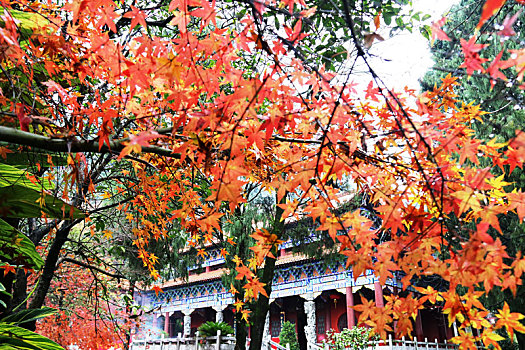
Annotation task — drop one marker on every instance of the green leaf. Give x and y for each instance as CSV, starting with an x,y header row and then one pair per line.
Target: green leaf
x,y
22,198
13,337
425,31
28,315
23,157
387,17
3,291
15,246
27,20
11,176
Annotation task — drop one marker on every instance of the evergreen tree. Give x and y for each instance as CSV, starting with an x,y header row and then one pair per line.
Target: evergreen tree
x,y
288,336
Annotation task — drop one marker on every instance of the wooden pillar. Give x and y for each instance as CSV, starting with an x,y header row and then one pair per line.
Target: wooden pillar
x,y
350,313
167,324
419,326
378,294
328,318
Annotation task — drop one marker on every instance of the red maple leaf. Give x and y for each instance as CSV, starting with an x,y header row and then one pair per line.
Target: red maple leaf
x,y
489,8
107,17
507,24
295,34
494,69
137,17
437,32
8,268
206,12
472,59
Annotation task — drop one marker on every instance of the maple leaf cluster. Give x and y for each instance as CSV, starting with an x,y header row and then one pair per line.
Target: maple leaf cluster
x,y
473,62
90,311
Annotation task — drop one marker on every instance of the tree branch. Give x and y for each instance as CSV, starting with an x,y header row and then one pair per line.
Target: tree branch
x,y
91,267
24,138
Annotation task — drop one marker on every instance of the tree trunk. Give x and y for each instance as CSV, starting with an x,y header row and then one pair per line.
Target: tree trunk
x,y
20,290
262,305
241,333
49,268
521,340
301,324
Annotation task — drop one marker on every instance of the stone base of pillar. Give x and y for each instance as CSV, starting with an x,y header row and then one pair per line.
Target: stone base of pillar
x,y
309,330
187,323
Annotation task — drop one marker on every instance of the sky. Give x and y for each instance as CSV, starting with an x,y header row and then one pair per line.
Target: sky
x,y
401,60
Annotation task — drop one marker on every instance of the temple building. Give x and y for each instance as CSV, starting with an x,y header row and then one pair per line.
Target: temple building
x,y
315,296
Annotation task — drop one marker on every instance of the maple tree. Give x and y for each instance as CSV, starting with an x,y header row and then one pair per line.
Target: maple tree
x,y
502,99
157,100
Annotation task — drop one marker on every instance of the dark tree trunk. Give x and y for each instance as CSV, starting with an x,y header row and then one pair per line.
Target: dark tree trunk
x,y
301,324
262,305
20,290
241,333
49,267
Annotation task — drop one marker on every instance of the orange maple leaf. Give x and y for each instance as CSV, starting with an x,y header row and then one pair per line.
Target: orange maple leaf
x,y
510,320
243,271
8,268
255,287
157,290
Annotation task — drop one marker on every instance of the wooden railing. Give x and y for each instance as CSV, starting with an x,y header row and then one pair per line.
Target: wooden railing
x,y
397,344
217,342
404,344
220,342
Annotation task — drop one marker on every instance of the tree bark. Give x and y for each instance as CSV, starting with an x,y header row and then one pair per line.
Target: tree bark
x,y
301,324
49,267
20,290
262,305
241,333
23,138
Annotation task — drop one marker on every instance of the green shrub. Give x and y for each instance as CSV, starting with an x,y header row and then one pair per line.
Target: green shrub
x,y
209,329
355,338
288,336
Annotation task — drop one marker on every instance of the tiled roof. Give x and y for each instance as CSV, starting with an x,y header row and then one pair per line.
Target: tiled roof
x,y
216,274
290,258
205,276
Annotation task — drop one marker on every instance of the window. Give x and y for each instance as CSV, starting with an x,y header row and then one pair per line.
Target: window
x,y
321,324
275,328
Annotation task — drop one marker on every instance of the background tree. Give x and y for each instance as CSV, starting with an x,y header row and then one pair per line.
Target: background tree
x,y
288,335
503,101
